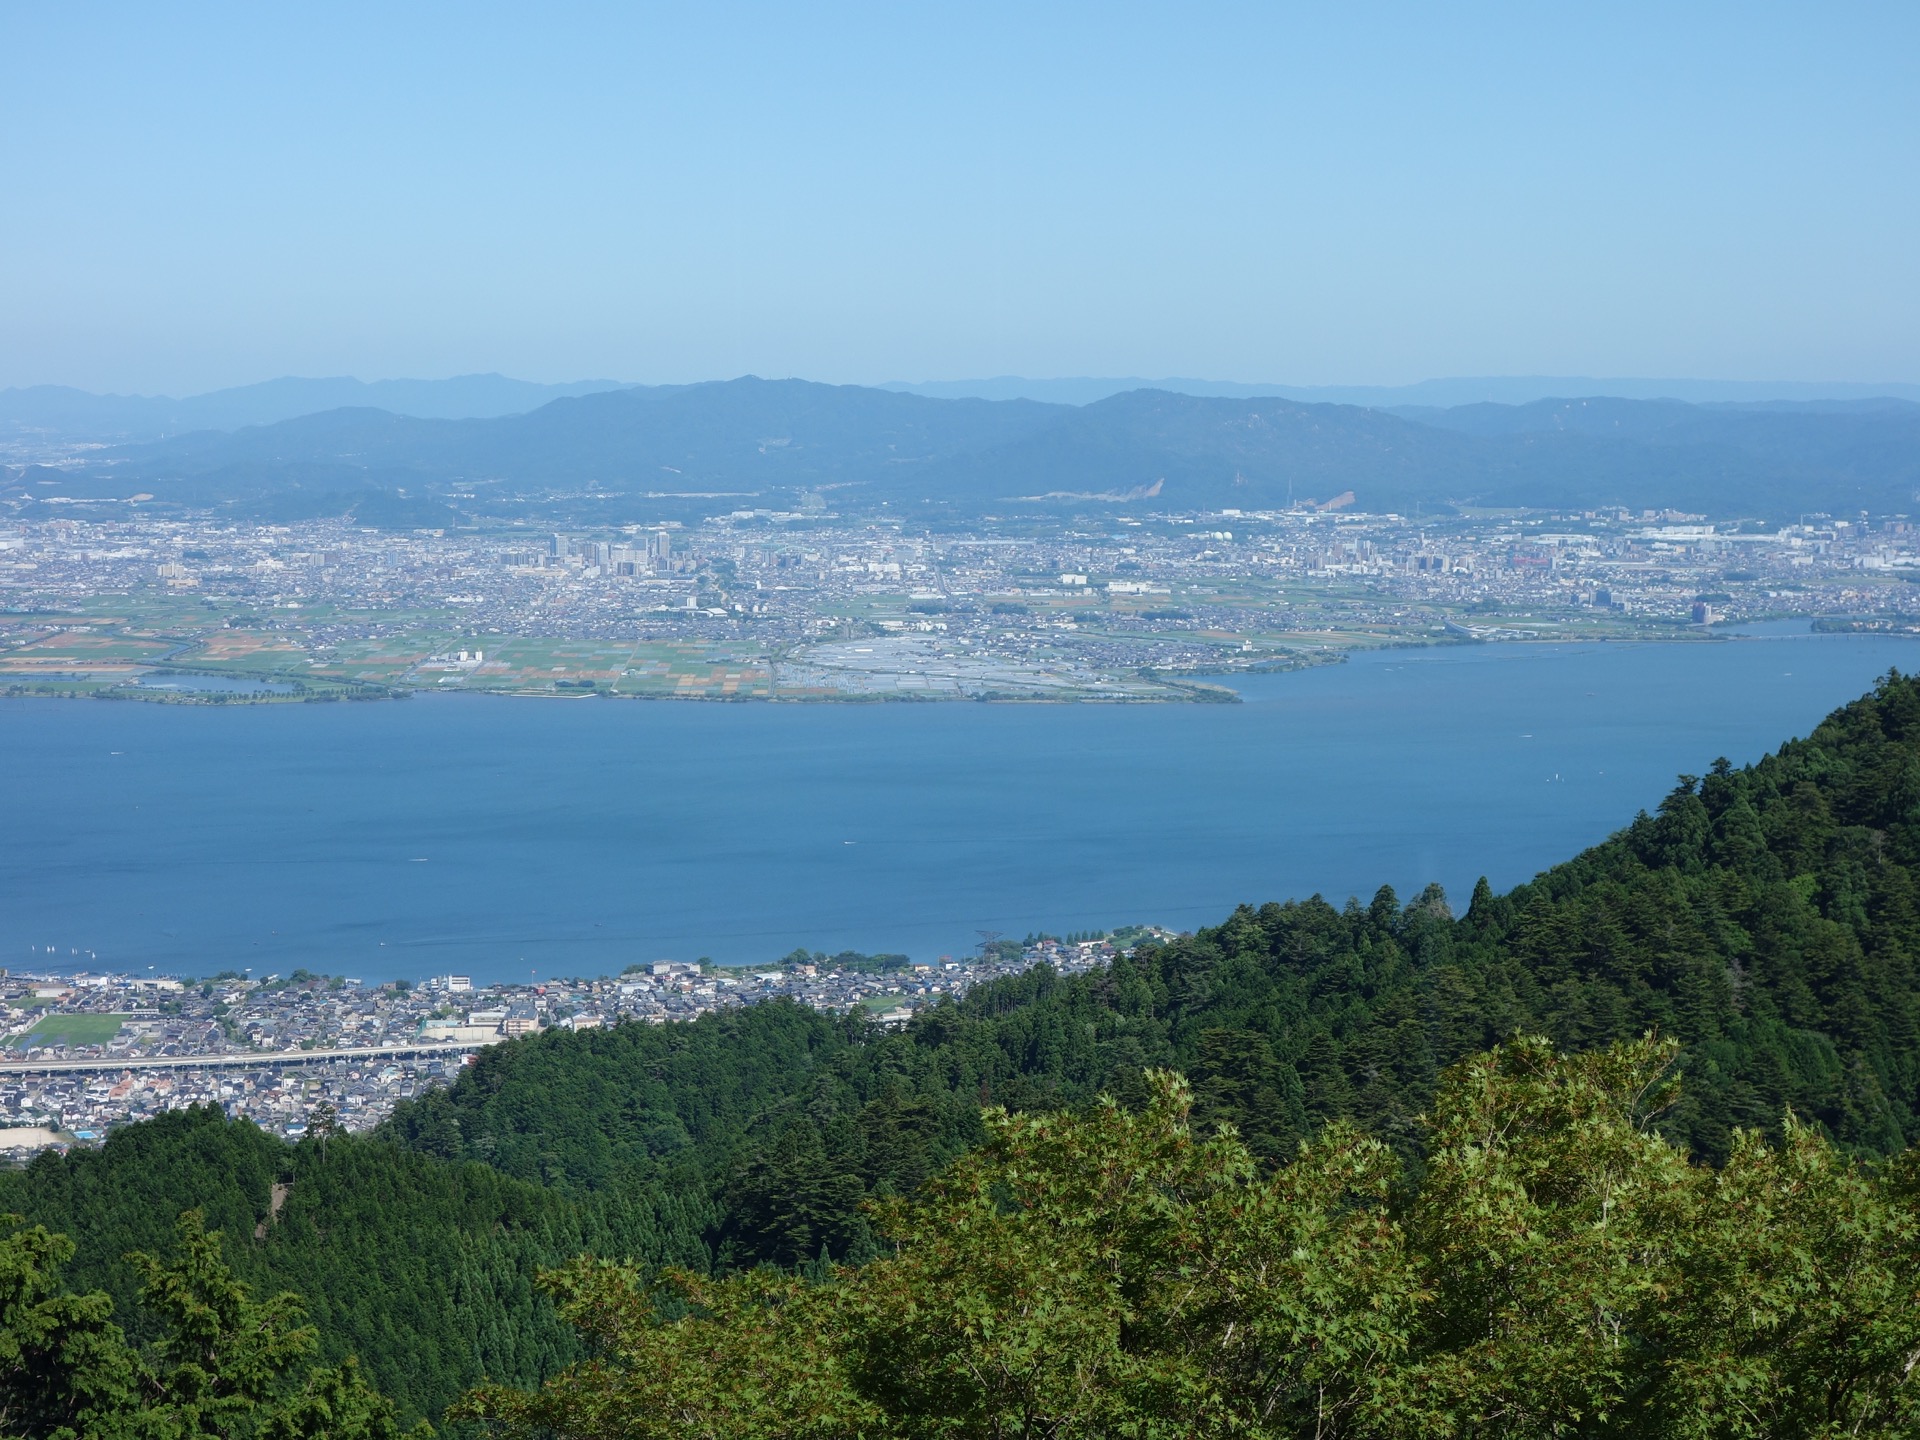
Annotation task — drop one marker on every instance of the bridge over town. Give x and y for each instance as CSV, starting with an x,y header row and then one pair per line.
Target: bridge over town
x,y
242,1059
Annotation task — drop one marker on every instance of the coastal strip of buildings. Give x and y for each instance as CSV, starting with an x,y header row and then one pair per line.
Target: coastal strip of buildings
x,y
86,1052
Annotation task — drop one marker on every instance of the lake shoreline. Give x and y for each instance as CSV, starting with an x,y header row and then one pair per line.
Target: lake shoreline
x,y
1194,687
581,838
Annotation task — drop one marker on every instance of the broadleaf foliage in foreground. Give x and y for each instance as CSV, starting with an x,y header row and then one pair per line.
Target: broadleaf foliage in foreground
x,y
1554,1268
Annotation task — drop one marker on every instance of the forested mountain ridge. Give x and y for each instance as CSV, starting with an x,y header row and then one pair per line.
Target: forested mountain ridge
x,y
738,436
723,441
1766,919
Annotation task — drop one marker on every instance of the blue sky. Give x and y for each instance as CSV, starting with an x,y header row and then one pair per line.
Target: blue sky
x,y
202,195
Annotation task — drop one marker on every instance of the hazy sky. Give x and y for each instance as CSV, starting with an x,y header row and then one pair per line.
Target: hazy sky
x,y
198,195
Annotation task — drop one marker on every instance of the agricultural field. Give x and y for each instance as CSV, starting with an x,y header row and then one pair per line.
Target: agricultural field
x,y
246,652
568,667
71,649
168,652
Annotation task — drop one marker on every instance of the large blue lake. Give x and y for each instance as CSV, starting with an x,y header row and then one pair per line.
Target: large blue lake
x,y
501,837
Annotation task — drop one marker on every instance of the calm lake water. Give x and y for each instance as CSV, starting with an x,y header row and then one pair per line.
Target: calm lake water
x,y
499,837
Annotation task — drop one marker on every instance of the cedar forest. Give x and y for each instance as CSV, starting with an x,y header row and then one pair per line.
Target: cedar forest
x,y
1624,1151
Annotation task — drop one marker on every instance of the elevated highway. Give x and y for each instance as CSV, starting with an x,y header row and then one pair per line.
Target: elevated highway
x,y
243,1059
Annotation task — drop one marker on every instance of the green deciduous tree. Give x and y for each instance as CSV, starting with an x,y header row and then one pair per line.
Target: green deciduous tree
x,y
1554,1267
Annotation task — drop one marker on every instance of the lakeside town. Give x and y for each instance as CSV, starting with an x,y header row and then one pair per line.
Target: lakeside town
x,y
88,1052
809,605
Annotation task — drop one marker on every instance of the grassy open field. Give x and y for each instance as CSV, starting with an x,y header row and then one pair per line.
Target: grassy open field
x,y
536,665
72,1030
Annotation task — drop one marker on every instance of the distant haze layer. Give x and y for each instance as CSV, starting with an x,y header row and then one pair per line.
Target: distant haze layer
x,y
62,412
1458,390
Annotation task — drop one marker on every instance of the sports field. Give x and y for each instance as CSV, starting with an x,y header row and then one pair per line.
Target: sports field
x,y
72,1030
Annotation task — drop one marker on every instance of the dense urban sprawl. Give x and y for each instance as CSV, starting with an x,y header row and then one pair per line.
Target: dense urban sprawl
x,y
802,605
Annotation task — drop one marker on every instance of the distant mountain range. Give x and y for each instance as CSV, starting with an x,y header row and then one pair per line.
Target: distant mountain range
x,y
734,438
59,412
1465,390
761,442
1210,452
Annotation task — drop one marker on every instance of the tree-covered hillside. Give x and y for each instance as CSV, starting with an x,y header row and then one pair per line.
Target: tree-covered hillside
x,y
1549,1266
425,1270
1552,1268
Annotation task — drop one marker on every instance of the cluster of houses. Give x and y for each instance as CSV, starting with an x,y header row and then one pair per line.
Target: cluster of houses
x,y
86,1052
